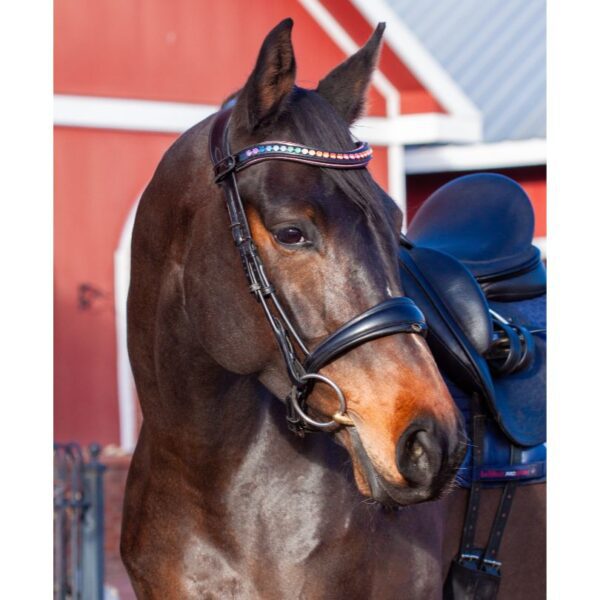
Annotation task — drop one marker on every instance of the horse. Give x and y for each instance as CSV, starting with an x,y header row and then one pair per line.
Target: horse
x,y
222,499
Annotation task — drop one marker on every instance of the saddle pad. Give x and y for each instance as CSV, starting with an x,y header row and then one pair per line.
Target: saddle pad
x,y
521,396
496,468
456,315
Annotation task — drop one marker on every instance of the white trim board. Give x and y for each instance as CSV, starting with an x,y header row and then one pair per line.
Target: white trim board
x,y
126,113
427,128
521,153
541,243
125,381
176,117
412,129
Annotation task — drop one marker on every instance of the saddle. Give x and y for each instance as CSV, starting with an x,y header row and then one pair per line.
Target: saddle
x,y
468,262
472,269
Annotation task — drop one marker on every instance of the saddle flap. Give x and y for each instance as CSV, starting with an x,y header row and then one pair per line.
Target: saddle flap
x,y
453,285
459,325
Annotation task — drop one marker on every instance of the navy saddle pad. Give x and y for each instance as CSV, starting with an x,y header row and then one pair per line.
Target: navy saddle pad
x,y
499,464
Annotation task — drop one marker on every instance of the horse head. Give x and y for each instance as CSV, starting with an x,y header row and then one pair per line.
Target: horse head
x,y
328,240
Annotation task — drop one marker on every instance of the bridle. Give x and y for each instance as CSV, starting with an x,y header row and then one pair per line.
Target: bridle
x,y
395,315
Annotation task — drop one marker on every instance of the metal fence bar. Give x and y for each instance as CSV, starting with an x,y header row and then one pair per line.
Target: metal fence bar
x,y
78,523
60,567
93,529
75,504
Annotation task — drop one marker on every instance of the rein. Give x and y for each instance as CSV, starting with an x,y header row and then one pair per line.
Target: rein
x,y
395,315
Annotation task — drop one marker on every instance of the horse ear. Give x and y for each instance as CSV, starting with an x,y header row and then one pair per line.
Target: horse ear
x,y
346,86
271,81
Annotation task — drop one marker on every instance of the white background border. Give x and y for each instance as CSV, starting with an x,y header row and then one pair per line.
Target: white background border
x,y
574,294
26,300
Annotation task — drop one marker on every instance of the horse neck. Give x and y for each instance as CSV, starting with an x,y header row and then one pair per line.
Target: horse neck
x,y
197,407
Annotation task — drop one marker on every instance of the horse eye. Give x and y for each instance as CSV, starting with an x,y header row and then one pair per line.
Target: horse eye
x,y
289,235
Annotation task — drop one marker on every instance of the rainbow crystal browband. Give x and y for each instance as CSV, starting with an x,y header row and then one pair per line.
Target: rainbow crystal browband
x,y
352,159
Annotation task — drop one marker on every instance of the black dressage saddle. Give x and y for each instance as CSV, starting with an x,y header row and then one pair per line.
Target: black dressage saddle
x,y
486,222
468,262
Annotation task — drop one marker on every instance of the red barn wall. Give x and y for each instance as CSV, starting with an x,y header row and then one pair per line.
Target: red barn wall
x,y
183,50
98,176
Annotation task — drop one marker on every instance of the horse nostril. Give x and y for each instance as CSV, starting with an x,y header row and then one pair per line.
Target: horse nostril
x,y
419,455
415,448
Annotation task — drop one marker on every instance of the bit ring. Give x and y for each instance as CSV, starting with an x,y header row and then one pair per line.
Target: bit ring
x,y
339,418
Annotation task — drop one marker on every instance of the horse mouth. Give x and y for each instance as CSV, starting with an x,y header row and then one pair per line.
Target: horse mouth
x,y
389,495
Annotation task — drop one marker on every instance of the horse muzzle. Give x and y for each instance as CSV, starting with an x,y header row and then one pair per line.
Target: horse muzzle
x,y
427,459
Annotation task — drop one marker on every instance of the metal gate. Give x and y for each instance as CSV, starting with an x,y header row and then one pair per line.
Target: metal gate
x,y
78,523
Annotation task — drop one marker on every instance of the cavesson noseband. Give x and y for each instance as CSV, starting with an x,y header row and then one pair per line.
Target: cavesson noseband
x,y
395,315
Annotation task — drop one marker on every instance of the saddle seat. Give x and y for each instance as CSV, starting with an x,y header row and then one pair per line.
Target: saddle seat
x,y
485,221
456,292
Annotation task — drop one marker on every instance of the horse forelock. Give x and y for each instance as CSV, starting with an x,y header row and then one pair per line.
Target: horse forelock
x,y
311,120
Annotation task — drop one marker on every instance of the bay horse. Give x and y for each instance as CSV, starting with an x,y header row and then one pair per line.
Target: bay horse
x,y
222,500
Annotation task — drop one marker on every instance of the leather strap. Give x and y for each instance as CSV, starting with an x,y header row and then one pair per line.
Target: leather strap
x,y
512,350
486,560
356,158
470,525
490,560
258,282
396,315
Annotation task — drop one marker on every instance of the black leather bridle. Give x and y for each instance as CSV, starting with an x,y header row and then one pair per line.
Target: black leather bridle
x,y
395,315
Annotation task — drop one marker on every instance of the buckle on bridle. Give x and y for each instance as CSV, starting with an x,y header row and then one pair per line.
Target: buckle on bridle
x,y
294,421
224,167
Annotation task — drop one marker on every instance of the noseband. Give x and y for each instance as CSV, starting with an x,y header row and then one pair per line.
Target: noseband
x,y
395,315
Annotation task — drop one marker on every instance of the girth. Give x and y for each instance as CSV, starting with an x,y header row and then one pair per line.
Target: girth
x,y
394,315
